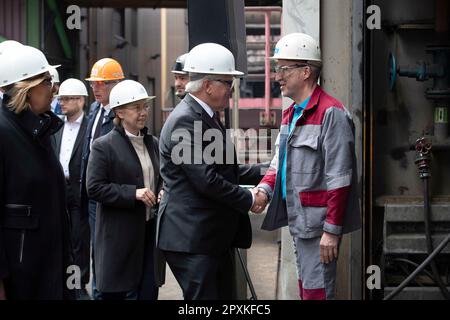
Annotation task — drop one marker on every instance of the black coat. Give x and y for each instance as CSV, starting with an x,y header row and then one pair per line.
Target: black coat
x,y
203,209
73,188
107,126
113,175
34,230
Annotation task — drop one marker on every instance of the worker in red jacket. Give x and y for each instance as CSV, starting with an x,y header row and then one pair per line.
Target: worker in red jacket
x,y
312,180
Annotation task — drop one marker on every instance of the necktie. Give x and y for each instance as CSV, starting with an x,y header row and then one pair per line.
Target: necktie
x,y
216,119
98,128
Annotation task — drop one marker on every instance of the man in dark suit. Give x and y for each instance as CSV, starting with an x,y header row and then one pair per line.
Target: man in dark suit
x,y
203,213
68,143
105,74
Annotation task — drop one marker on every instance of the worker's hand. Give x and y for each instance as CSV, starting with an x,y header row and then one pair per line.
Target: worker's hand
x,y
261,200
328,247
160,194
147,196
2,291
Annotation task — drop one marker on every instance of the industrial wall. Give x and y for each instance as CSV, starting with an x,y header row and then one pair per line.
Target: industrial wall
x,y
145,41
411,47
12,20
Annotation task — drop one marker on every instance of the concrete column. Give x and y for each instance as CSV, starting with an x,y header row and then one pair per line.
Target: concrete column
x,y
342,77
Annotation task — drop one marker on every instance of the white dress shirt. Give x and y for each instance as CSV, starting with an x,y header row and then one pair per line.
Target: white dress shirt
x,y
97,117
69,136
207,108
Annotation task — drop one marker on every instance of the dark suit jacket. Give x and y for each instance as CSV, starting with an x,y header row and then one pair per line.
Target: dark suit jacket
x,y
113,175
203,209
107,126
73,189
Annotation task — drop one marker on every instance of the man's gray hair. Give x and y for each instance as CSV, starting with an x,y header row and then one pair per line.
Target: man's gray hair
x,y
194,86
316,69
196,81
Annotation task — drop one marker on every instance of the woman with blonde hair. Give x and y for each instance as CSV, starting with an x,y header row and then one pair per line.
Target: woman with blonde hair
x,y
123,177
34,227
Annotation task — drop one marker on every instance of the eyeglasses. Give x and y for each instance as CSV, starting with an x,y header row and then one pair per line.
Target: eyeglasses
x,y
101,83
45,78
65,99
139,108
229,83
283,69
47,82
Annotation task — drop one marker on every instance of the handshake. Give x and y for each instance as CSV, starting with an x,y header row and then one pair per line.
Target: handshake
x,y
261,200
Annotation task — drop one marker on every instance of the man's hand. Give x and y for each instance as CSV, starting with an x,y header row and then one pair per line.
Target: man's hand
x,y
147,196
328,247
261,200
2,291
160,194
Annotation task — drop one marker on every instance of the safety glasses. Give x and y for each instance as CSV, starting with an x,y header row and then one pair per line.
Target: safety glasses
x,y
66,99
283,69
139,108
101,83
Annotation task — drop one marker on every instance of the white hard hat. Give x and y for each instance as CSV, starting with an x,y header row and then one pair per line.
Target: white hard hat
x,y
72,87
8,50
211,58
55,75
297,46
7,44
22,63
127,91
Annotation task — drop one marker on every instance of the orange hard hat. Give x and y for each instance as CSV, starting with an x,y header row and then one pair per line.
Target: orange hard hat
x,y
106,69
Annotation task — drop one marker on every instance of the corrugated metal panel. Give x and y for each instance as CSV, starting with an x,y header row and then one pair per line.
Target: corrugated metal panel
x,y
13,19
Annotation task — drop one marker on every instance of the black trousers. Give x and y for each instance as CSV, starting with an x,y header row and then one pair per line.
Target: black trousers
x,y
80,234
80,243
203,277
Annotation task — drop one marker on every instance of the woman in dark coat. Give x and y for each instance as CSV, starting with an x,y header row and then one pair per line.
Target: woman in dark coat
x,y
123,177
34,226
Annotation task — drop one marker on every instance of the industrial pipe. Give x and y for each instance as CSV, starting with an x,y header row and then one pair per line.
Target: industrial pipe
x,y
423,148
267,69
267,11
419,269
415,265
423,162
433,265
247,276
60,29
